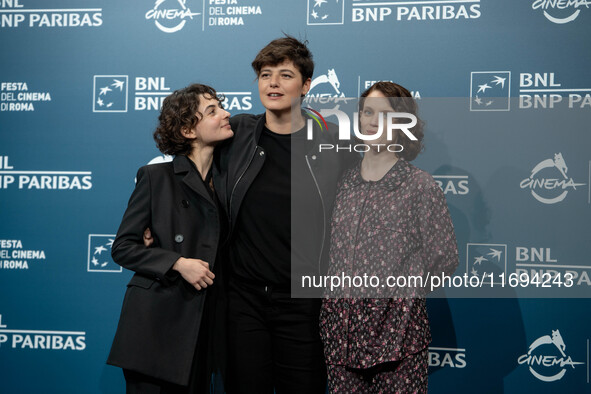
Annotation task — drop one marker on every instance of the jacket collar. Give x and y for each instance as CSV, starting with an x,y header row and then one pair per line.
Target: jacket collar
x,y
259,127
183,165
399,173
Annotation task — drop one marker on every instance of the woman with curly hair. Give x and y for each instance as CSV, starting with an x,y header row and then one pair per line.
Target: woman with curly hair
x,y
390,220
162,338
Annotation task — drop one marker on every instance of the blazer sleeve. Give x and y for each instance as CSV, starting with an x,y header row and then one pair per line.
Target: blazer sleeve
x,y
128,248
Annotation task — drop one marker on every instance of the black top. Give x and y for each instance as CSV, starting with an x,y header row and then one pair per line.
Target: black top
x,y
261,251
207,182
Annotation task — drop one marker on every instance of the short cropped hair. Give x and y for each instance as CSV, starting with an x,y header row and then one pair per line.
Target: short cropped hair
x,y
180,112
282,49
400,100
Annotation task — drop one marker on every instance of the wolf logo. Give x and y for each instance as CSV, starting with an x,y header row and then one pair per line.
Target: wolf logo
x,y
330,77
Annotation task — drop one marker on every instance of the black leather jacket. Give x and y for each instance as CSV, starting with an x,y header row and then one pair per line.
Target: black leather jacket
x,y
239,160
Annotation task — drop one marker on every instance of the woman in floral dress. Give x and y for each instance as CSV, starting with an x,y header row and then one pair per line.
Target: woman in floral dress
x,y
390,220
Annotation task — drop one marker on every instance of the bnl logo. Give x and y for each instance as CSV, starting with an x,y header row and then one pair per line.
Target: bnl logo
x,y
490,90
484,259
326,12
99,254
110,93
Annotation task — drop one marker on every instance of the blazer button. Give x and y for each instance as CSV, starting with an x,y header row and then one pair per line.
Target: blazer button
x,y
185,204
262,153
179,238
313,157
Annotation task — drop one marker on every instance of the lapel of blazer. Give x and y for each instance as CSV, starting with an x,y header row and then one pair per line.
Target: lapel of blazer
x,y
220,177
182,165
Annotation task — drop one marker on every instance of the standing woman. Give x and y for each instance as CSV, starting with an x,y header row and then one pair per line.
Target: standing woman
x,y
274,343
390,219
162,337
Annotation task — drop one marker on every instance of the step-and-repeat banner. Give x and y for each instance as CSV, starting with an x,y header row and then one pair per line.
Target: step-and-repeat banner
x,y
509,142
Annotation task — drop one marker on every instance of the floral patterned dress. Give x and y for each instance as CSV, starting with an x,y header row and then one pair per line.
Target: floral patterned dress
x,y
376,337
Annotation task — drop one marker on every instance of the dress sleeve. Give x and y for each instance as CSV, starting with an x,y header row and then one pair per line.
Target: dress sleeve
x,y
439,246
128,248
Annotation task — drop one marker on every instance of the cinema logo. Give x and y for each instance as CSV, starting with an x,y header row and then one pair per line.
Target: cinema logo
x,y
41,339
230,12
14,257
404,10
170,16
326,87
548,182
14,14
344,125
441,357
15,96
560,11
546,358
42,180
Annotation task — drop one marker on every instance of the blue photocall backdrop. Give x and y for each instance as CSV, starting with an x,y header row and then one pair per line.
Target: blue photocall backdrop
x,y
81,83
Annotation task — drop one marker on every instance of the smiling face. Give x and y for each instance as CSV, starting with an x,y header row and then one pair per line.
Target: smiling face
x,y
280,84
375,106
214,122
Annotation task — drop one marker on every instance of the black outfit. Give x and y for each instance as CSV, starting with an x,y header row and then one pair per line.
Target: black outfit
x,y
260,249
164,338
273,338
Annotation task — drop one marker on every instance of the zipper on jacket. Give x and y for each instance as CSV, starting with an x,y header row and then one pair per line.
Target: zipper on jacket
x,y
323,214
237,182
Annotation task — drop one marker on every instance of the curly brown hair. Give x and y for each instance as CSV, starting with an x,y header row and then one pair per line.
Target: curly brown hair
x,y
282,49
401,100
180,112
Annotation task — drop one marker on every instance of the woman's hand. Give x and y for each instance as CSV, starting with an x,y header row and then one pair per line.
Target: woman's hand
x,y
148,240
194,271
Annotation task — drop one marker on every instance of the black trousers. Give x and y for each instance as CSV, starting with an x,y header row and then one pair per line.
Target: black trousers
x,y
137,383
273,342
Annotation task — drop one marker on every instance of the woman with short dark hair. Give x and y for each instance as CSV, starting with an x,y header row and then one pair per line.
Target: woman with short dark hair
x,y
274,343
163,340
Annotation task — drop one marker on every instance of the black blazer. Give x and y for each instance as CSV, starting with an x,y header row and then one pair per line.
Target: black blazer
x,y
162,313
